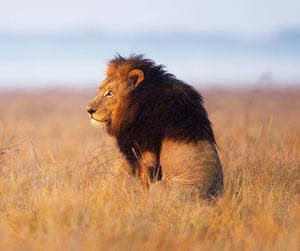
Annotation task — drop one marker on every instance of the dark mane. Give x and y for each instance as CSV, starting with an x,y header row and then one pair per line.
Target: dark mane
x,y
160,107
153,72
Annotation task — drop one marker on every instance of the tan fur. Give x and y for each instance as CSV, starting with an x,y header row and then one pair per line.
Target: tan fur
x,y
149,158
148,162
194,164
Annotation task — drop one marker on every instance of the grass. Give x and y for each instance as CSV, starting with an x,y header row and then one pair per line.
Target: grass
x,y
59,190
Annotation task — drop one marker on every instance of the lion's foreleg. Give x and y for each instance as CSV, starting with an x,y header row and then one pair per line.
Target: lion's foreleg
x,y
145,168
148,167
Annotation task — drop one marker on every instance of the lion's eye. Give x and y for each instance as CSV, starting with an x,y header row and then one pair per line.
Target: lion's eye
x,y
108,94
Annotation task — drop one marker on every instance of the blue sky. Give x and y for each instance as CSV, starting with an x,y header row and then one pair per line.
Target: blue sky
x,y
243,17
247,28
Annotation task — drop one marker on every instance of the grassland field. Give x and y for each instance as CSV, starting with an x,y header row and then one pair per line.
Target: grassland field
x,y
59,189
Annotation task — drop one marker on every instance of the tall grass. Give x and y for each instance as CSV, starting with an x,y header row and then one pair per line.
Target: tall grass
x,y
59,189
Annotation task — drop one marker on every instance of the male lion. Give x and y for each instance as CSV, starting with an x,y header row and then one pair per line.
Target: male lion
x,y
160,125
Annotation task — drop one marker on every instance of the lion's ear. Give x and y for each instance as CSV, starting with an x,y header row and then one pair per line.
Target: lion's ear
x,y
137,76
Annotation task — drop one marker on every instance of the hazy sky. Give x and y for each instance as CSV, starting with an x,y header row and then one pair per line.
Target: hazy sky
x,y
243,17
67,59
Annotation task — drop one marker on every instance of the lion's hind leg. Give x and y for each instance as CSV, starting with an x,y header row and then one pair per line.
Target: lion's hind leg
x,y
191,168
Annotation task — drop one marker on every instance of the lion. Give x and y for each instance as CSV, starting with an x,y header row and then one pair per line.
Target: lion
x,y
160,125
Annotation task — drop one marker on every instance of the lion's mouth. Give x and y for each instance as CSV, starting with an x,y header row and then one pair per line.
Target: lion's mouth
x,y
97,123
92,117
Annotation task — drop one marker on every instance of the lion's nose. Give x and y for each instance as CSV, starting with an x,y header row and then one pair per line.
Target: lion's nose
x,y
91,110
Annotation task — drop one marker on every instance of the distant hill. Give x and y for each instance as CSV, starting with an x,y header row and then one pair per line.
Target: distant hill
x,y
94,45
216,54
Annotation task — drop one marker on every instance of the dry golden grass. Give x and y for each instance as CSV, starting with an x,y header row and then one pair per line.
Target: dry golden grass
x,y
59,191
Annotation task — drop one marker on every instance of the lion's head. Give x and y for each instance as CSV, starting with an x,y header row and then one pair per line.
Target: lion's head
x,y
111,99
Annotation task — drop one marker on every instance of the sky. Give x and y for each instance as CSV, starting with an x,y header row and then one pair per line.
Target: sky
x,y
253,20
246,17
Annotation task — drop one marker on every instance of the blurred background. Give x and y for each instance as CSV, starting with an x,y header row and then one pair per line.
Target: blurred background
x,y
58,186
66,43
